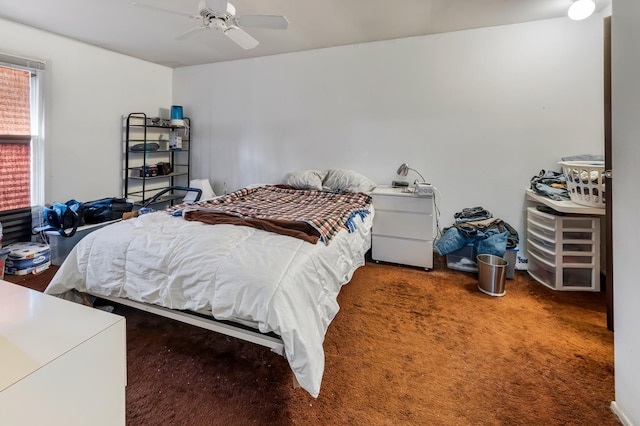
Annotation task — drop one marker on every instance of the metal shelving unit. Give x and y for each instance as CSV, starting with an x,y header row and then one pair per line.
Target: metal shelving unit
x,y
149,143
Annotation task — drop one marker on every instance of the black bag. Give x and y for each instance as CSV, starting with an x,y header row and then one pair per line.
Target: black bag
x,y
106,209
64,218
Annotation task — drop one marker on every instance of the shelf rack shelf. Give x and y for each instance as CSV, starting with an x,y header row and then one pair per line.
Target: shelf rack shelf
x,y
156,163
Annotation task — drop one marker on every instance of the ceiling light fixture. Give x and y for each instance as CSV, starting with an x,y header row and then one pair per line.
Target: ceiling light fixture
x,y
581,9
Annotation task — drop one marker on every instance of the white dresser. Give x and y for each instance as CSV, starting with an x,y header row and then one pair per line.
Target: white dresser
x,y
62,363
402,228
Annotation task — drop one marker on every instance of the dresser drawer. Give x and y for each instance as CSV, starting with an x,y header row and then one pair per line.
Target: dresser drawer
x,y
406,203
403,224
403,251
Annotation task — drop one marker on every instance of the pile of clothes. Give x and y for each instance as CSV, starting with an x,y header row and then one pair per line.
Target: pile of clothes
x,y
476,226
550,184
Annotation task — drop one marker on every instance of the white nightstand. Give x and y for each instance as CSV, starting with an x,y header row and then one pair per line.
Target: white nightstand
x,y
402,227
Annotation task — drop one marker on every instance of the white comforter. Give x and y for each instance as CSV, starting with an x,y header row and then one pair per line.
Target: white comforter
x,y
283,284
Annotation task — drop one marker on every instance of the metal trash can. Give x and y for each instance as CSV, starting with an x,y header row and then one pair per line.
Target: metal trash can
x,y
492,271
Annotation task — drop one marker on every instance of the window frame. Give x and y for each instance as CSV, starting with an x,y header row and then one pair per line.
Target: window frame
x,y
18,223
36,68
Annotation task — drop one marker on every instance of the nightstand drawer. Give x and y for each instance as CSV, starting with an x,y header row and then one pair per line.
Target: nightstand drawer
x,y
406,203
417,226
403,251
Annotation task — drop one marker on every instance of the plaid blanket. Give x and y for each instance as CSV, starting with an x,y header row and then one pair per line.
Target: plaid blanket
x,y
267,207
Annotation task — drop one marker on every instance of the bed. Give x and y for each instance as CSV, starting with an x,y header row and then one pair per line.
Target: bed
x,y
243,280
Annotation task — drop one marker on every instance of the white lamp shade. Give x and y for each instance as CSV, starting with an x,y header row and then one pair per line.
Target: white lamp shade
x,y
581,9
403,169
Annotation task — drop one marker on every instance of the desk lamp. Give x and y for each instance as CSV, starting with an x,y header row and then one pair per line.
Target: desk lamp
x,y
404,168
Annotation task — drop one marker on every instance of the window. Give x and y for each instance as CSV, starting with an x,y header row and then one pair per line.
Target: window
x,y
21,144
15,139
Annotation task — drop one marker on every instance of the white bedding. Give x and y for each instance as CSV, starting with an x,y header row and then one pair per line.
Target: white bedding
x,y
283,284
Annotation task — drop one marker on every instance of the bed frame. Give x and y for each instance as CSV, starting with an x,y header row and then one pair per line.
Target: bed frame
x,y
228,328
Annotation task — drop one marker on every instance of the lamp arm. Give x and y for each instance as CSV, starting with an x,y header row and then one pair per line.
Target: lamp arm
x,y
422,177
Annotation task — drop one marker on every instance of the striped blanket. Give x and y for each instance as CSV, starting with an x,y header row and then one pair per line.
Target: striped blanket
x,y
310,215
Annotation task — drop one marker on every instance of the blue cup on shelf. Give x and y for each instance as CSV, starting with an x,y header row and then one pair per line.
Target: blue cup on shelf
x,y
176,112
176,115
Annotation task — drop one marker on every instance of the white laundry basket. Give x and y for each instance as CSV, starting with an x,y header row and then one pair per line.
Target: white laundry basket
x,y
585,182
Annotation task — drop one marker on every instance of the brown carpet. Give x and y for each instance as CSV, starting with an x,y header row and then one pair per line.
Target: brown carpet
x,y
408,347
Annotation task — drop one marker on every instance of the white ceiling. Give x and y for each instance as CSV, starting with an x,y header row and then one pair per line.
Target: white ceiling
x,y
148,34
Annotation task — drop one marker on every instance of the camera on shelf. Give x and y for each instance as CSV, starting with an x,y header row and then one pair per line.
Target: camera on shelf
x,y
148,171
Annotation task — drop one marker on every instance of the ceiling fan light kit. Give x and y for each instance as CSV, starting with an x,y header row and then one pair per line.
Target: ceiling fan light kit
x,y
581,9
222,16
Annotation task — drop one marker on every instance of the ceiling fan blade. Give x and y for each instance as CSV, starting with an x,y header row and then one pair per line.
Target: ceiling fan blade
x,y
192,32
273,22
243,39
160,9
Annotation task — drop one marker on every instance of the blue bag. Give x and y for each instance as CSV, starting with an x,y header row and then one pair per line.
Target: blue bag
x,y
106,209
64,218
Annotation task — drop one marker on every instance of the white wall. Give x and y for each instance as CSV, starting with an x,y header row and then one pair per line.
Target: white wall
x,y
626,204
87,91
477,112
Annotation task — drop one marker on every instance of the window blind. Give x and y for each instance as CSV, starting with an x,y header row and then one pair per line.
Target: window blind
x,y
15,138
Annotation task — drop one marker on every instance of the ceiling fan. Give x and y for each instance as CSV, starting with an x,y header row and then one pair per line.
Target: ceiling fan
x,y
222,16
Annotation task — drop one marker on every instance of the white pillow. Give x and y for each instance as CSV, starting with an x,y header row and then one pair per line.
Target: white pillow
x,y
347,180
307,179
204,185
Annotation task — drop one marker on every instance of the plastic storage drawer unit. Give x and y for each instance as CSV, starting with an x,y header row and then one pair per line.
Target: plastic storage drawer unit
x,y
564,251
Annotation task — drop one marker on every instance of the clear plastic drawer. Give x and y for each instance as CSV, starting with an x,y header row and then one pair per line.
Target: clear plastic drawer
x,y
577,222
539,251
572,259
544,273
542,242
578,247
578,277
541,218
541,231
573,235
